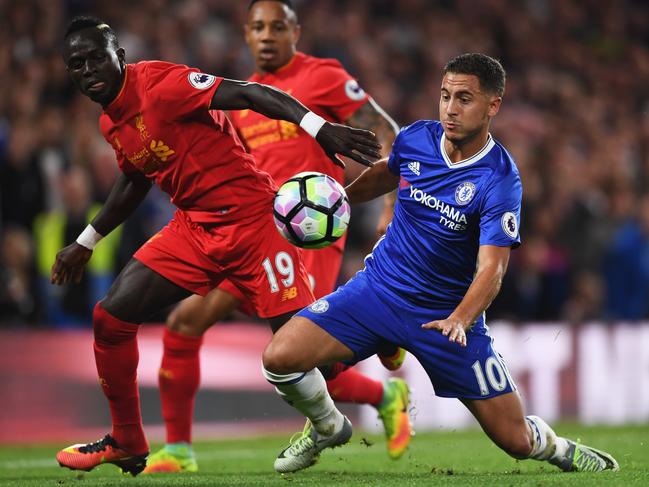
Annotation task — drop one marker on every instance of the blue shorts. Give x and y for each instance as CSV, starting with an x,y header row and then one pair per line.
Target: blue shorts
x,y
366,318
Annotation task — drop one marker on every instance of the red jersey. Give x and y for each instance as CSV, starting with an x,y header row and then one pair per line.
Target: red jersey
x,y
282,148
160,125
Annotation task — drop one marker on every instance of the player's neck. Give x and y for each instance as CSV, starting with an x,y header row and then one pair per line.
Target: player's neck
x,y
263,72
458,151
118,92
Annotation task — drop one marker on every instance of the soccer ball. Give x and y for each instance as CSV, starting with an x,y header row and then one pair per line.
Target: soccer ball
x,y
311,210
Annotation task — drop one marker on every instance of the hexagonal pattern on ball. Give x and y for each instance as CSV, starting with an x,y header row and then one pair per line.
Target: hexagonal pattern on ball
x,y
341,220
309,224
287,198
322,191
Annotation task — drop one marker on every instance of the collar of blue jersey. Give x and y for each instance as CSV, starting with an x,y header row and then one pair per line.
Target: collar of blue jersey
x,y
470,160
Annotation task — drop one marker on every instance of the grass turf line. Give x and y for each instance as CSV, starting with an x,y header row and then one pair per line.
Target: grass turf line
x,y
444,458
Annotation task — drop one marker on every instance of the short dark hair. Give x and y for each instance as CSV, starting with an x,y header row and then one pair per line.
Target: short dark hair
x,y
85,22
489,71
288,3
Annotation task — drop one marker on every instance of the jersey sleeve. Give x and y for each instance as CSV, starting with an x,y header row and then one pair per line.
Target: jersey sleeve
x,y
500,215
336,92
183,91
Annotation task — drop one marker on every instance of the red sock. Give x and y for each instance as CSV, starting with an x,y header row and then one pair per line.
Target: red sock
x,y
179,377
116,356
351,386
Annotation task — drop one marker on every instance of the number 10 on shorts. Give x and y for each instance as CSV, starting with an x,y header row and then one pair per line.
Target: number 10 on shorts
x,y
494,375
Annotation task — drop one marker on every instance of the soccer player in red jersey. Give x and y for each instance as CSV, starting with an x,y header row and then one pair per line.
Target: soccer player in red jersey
x,y
282,150
157,117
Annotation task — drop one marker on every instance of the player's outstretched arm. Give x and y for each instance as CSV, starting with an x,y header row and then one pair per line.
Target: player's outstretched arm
x,y
372,183
492,264
372,117
125,196
359,145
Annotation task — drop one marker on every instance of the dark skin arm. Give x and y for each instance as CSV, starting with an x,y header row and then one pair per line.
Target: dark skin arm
x,y
372,117
492,264
125,196
359,145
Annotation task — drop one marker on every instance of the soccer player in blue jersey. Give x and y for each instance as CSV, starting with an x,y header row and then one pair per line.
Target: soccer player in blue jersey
x,y
428,282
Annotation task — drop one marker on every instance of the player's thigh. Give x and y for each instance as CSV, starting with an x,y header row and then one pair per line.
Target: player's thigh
x,y
139,292
178,252
358,316
476,371
503,420
195,314
300,345
269,270
323,267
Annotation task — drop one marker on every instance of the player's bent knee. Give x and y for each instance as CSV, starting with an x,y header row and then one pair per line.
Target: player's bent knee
x,y
278,359
174,323
109,330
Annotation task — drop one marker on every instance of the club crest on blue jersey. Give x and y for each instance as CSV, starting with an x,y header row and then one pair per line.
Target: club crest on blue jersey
x,y
201,81
464,193
509,224
320,306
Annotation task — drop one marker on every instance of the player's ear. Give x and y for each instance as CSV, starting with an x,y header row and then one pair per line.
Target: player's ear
x,y
297,31
121,56
246,33
494,105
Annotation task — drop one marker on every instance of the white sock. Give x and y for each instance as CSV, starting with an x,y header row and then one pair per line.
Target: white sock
x,y
546,445
307,392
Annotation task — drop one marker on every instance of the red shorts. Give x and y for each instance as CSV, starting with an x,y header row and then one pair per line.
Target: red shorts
x,y
251,254
322,265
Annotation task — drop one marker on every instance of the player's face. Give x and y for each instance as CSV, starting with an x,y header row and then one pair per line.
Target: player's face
x,y
95,67
464,109
271,33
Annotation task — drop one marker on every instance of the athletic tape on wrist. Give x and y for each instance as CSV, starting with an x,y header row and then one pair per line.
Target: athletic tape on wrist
x,y
89,237
312,123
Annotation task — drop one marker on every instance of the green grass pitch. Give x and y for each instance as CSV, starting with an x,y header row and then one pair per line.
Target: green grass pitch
x,y
445,458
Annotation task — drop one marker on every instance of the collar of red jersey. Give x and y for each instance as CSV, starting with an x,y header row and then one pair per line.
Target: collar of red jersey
x,y
115,107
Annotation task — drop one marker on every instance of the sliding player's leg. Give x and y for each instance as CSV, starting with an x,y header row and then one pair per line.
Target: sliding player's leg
x,y
339,327
523,437
347,384
136,294
477,375
179,375
290,363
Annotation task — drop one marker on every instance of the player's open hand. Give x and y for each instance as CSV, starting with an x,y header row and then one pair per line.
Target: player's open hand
x,y
357,144
69,264
452,328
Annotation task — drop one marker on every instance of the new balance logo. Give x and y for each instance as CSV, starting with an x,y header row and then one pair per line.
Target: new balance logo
x,y
414,167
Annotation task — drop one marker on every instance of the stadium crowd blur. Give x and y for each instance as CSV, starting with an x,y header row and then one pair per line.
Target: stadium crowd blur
x,y
574,117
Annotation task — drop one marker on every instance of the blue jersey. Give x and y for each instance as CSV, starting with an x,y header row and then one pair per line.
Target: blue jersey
x,y
444,212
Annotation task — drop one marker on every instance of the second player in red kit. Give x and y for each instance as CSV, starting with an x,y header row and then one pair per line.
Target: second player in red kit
x,y
282,149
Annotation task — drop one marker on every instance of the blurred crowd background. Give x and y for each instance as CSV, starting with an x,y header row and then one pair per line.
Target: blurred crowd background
x,y
574,117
